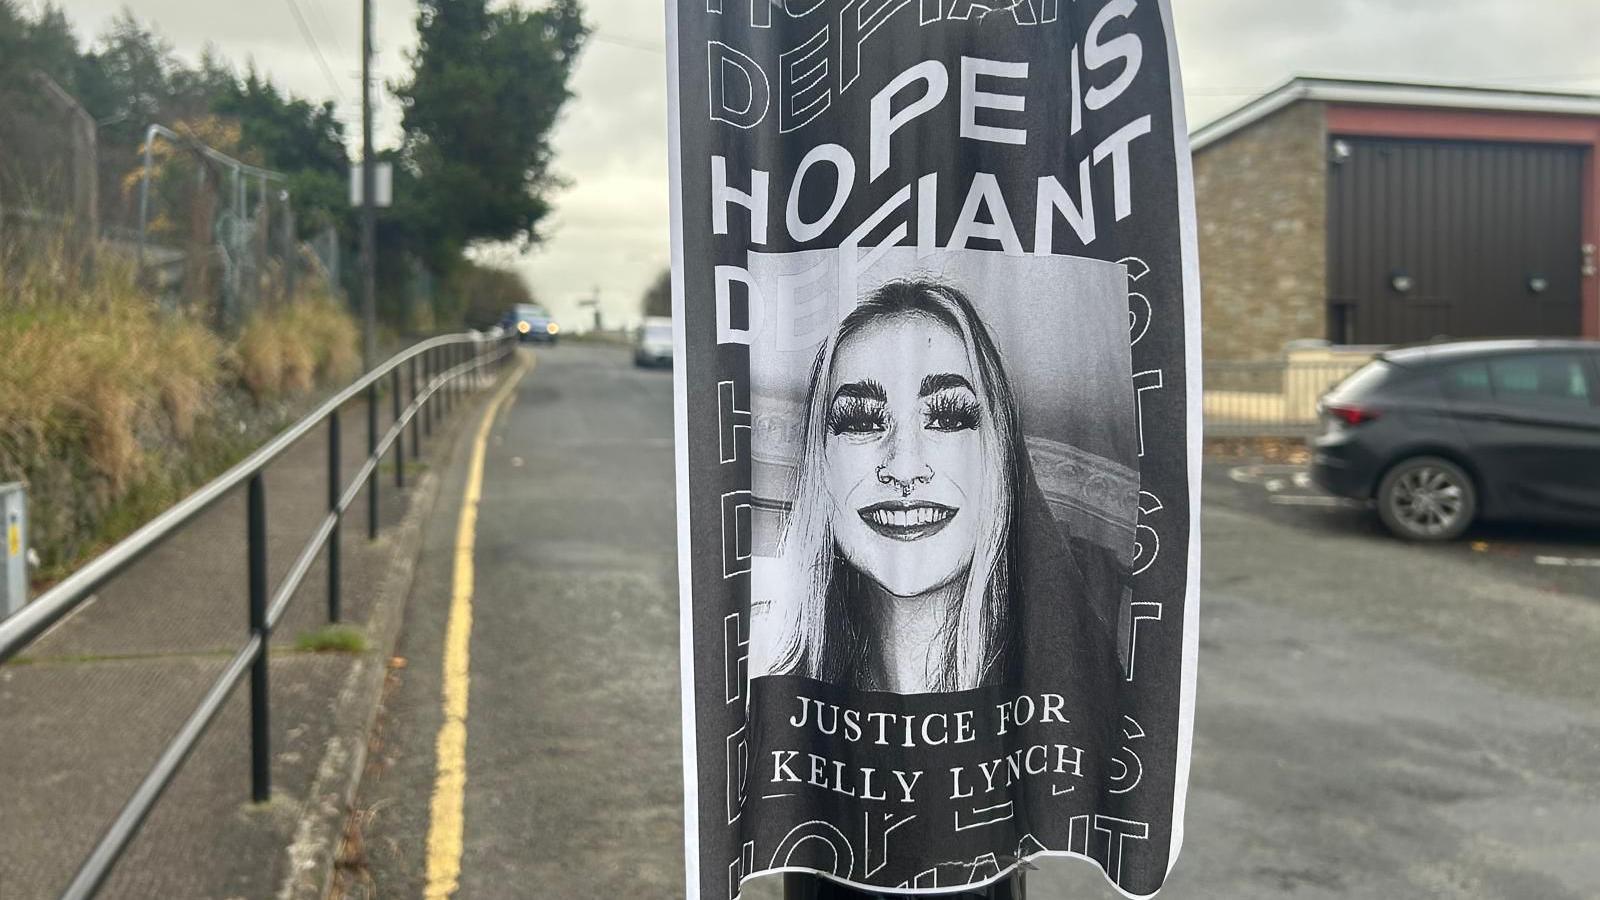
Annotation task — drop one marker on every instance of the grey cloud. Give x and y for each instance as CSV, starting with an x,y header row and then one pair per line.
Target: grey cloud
x,y
1232,47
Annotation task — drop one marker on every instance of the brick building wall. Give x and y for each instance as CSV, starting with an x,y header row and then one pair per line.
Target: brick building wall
x,y
1261,197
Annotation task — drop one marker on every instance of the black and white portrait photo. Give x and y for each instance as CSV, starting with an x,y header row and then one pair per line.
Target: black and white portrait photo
x,y
909,451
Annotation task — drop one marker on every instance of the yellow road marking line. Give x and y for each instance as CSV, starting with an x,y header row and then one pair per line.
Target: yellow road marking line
x,y
446,823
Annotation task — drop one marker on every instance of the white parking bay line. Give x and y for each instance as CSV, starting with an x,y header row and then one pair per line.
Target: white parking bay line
x,y
1567,562
1300,500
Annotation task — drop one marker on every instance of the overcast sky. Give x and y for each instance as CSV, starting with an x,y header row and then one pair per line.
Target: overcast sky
x,y
610,230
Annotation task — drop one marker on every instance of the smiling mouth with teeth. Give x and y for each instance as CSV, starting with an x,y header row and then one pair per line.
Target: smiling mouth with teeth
x,y
907,521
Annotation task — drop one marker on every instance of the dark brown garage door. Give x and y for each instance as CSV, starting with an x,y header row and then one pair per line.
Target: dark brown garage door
x,y
1488,235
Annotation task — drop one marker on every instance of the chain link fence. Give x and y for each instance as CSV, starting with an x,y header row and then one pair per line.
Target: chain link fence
x,y
209,234
49,184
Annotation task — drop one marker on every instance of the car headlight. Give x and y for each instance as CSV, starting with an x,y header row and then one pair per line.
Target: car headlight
x,y
552,328
522,327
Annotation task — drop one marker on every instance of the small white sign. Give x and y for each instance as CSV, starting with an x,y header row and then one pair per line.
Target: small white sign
x,y
383,185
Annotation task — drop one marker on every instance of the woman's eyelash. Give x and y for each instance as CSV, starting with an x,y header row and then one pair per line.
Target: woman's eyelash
x,y
855,415
951,411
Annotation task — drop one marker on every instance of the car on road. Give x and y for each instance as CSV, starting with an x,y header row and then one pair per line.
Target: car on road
x,y
653,347
532,323
1441,435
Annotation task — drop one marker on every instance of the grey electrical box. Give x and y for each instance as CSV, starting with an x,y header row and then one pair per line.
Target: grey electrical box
x,y
13,548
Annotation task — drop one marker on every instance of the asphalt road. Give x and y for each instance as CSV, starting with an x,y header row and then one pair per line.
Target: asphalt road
x,y
1374,719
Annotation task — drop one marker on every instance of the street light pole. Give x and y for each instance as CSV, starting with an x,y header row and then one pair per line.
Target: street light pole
x,y
369,214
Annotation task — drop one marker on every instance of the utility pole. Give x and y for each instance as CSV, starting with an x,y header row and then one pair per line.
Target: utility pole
x,y
369,212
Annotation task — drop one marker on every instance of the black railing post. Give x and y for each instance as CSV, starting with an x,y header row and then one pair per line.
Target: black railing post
x,y
427,405
416,426
333,507
256,537
400,439
450,383
372,454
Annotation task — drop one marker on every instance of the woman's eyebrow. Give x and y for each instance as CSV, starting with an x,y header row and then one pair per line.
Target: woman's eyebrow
x,y
865,389
933,384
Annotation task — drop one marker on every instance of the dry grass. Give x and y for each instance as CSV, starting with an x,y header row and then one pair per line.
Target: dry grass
x,y
286,350
108,404
91,362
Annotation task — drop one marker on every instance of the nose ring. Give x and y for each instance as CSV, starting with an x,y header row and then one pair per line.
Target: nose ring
x,y
906,484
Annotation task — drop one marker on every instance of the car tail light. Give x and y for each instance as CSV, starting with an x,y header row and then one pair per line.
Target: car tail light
x,y
1349,413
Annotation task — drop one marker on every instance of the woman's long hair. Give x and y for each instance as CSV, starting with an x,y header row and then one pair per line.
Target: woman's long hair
x,y
824,637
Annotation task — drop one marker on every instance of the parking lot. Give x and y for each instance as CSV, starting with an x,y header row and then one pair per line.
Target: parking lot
x,y
1380,719
1555,558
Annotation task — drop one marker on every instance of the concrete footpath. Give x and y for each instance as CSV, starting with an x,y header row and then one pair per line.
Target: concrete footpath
x,y
88,708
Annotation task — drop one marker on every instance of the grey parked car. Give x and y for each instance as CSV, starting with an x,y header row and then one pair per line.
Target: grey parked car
x,y
1444,434
654,344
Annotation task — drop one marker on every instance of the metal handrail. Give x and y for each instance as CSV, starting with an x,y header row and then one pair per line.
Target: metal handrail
x,y
446,361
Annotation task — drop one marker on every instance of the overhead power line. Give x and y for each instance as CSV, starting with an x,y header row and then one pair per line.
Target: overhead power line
x,y
311,41
630,43
324,24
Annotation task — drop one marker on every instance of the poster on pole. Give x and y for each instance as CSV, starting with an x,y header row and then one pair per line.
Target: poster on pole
x,y
937,392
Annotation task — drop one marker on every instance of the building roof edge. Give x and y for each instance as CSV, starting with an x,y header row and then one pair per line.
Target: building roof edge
x,y
1389,93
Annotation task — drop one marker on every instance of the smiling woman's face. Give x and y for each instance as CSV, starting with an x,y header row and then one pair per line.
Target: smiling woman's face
x,y
904,453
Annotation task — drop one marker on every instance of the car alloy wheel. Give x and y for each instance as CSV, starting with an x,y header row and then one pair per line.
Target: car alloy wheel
x,y
1427,499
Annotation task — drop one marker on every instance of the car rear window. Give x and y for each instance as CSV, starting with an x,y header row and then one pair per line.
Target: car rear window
x,y
1365,380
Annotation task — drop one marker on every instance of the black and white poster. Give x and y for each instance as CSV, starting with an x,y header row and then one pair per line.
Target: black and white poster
x,y
937,386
